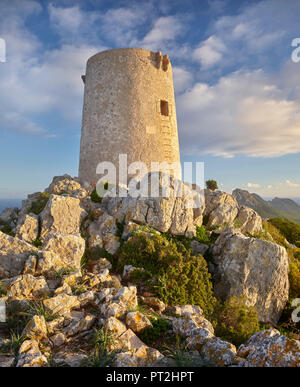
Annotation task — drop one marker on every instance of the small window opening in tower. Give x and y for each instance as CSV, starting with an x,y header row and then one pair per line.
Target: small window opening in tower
x,y
164,108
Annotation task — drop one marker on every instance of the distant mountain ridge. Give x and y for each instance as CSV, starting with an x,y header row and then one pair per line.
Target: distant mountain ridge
x,y
277,207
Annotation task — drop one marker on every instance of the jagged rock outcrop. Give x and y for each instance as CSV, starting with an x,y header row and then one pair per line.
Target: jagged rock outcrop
x,y
248,221
66,185
61,215
270,349
28,228
13,254
221,208
253,268
172,214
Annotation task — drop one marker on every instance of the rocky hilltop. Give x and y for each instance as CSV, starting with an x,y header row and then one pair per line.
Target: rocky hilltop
x,y
82,288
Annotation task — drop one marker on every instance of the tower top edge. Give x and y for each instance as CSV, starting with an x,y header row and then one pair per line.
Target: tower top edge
x,y
116,51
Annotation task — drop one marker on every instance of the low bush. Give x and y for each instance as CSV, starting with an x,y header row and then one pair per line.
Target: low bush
x,y
95,197
236,322
178,277
294,278
159,330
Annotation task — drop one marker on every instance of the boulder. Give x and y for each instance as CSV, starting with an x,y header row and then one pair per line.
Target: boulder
x,y
36,328
62,215
79,325
137,321
13,254
145,357
114,327
27,287
221,208
28,228
68,248
62,304
168,212
30,355
218,352
66,185
253,268
270,349
248,221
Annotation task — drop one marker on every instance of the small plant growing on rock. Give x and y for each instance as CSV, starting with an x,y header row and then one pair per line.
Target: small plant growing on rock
x,y
211,184
95,197
159,330
102,356
236,321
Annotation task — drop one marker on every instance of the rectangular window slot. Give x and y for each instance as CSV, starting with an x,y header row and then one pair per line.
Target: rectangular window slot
x,y
164,108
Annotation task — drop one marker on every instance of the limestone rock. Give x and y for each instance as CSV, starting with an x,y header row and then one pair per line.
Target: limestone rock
x,y
30,355
13,254
114,326
253,268
166,214
69,248
30,265
270,349
10,216
69,359
27,287
65,288
220,207
49,263
199,248
62,304
58,339
154,302
218,352
66,185
182,310
36,328
100,265
137,321
79,325
145,357
192,325
28,228
248,220
62,215
6,361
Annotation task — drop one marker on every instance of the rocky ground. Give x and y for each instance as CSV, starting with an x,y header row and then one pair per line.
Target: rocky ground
x,y
64,309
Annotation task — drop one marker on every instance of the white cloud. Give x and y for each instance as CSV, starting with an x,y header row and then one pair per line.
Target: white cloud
x,y
243,113
182,79
291,184
165,29
68,19
209,52
253,185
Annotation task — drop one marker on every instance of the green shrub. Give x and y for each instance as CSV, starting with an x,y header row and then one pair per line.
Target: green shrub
x,y
236,321
178,277
297,253
211,184
92,254
95,197
294,278
201,234
102,355
159,330
290,230
39,204
6,228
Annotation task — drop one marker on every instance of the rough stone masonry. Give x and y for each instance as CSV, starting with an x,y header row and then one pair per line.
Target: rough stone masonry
x,y
129,108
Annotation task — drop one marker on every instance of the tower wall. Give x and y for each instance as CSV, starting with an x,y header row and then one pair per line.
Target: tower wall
x,y
129,108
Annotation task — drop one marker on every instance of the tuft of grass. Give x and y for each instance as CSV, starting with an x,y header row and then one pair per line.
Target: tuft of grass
x,y
16,340
102,356
37,308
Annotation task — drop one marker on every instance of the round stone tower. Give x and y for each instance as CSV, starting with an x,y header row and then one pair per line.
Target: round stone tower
x,y
129,108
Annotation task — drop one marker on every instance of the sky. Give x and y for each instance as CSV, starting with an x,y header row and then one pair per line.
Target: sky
x,y
237,88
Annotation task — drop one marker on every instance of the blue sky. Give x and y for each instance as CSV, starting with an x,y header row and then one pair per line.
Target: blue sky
x,y
237,89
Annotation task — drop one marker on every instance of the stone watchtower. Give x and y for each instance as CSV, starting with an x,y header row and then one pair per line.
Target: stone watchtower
x,y
129,108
